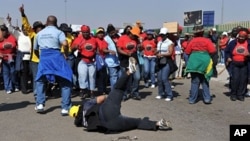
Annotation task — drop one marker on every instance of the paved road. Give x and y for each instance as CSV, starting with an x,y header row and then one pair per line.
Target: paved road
x,y
199,122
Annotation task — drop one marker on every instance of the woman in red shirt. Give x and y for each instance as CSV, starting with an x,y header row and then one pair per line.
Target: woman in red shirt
x,y
149,51
8,45
87,47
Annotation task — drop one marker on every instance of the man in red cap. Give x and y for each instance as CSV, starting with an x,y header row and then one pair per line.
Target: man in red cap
x,y
87,46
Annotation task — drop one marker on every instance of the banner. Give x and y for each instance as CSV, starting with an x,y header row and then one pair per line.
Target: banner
x,y
192,18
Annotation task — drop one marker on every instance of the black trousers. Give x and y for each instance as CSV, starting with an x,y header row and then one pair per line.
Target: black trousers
x,y
24,76
110,111
239,79
101,78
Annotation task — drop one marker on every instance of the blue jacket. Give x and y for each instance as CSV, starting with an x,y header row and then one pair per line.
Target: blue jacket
x,y
52,63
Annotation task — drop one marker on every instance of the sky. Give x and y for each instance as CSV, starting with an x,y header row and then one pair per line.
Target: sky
x,y
99,13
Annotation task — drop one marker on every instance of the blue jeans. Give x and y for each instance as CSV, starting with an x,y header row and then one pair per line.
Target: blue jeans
x,y
198,79
113,75
133,82
185,57
9,76
65,86
149,69
87,75
222,56
164,86
34,67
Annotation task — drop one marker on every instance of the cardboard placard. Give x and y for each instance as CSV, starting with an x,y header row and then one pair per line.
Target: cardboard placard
x,y
171,26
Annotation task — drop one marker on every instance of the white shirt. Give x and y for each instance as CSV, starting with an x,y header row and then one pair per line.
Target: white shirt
x,y
163,46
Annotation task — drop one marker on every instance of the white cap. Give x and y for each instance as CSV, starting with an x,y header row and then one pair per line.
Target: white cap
x,y
163,30
224,33
214,29
121,30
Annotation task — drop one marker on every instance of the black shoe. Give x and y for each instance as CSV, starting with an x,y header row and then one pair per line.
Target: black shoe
x,y
85,95
233,98
241,98
137,97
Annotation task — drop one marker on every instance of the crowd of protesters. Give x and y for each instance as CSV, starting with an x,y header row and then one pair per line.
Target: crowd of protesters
x,y
55,56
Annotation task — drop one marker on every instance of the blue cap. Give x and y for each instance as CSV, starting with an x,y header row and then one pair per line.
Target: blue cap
x,y
150,32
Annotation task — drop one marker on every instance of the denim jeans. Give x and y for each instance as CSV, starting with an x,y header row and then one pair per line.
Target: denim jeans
x,y
185,57
34,67
149,69
164,86
133,82
87,75
196,80
110,111
65,86
113,75
222,56
9,76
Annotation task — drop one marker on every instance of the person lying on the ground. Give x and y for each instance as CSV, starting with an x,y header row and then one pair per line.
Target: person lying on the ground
x,y
103,114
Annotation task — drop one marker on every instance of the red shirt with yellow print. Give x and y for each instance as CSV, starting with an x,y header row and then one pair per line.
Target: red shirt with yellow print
x,y
239,51
8,47
149,47
126,44
101,45
87,48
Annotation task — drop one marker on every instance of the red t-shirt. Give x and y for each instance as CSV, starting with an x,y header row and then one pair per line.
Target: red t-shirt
x,y
87,48
101,45
184,45
143,36
223,42
200,44
239,51
126,44
12,43
149,47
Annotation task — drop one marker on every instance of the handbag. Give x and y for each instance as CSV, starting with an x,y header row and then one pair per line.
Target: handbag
x,y
162,60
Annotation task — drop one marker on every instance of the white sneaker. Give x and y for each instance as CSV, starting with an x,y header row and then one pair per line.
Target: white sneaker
x,y
16,90
158,97
168,99
9,92
172,86
164,125
64,112
39,108
152,86
132,64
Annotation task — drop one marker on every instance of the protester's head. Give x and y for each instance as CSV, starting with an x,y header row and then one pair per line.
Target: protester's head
x,y
51,21
100,33
74,110
38,26
198,31
111,30
74,34
65,28
234,32
85,31
127,30
224,34
242,35
187,36
214,30
4,30
134,33
150,34
163,33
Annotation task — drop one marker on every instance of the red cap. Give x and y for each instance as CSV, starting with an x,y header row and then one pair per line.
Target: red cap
x,y
85,28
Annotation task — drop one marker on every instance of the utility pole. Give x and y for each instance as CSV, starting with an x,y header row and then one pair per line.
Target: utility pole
x,y
65,1
222,12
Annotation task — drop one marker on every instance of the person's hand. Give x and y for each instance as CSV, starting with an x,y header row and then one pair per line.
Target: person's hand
x,y
129,54
246,53
112,52
21,9
8,18
159,55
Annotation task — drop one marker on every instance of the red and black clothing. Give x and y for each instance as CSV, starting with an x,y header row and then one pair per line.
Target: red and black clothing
x,y
239,66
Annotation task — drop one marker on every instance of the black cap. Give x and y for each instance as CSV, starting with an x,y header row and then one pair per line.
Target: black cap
x,y
65,28
38,24
110,28
3,27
